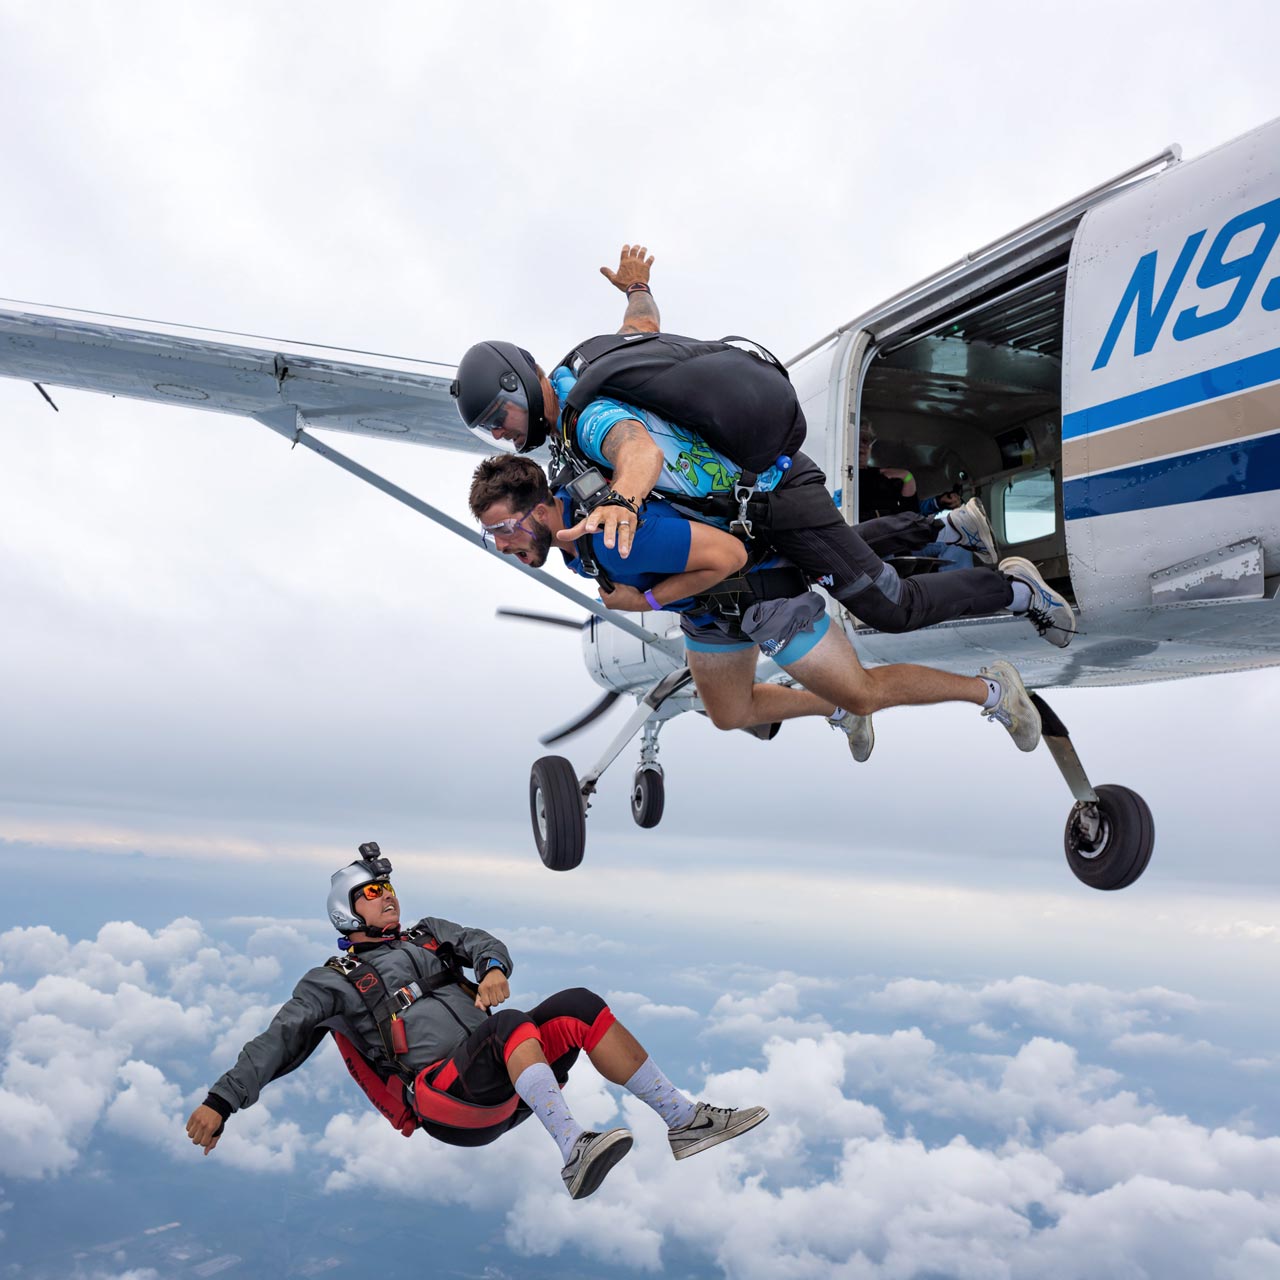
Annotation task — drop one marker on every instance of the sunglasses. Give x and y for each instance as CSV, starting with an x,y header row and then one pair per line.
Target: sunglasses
x,y
374,891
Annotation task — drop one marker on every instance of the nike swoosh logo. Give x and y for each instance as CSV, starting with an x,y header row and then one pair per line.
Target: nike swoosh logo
x,y
705,1123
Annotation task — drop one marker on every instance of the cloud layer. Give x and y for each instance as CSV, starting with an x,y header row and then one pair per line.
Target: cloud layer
x,y
890,1154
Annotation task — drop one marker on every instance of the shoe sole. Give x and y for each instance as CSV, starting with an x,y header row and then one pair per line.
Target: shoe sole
x,y
594,1171
984,544
1036,581
869,744
712,1140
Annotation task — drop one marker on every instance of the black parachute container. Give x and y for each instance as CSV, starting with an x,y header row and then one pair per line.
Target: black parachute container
x,y
733,393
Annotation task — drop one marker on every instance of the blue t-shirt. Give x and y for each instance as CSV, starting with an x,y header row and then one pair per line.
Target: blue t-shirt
x,y
690,466
659,547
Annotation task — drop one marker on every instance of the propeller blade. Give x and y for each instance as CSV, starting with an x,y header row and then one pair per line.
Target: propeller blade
x,y
549,618
593,713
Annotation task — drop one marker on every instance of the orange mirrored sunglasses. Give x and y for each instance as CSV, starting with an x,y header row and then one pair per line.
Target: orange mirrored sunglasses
x,y
377,889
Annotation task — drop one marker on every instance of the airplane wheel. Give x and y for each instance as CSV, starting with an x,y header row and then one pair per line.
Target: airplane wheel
x,y
1123,846
555,807
647,797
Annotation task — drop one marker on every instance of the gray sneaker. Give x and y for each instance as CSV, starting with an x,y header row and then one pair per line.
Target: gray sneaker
x,y
1050,613
860,732
593,1155
711,1125
1015,710
971,523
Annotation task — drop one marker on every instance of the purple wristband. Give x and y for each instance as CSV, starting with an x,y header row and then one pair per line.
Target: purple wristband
x,y
653,603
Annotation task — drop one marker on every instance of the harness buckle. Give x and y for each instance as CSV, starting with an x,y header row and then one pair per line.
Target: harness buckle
x,y
405,996
742,526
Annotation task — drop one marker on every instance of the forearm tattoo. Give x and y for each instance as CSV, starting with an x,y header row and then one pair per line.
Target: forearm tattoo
x,y
625,433
641,315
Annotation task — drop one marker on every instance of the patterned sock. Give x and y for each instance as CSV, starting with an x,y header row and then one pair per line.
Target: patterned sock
x,y
653,1088
537,1086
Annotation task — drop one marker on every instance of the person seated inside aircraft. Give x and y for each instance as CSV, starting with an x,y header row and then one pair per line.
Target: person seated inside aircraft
x,y
732,602
885,491
882,491
505,398
428,1048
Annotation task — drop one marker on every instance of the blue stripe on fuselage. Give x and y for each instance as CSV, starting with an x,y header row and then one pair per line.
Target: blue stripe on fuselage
x,y
1190,477
1227,379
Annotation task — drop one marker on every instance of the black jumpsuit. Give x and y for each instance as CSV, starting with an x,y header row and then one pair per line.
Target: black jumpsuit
x,y
807,528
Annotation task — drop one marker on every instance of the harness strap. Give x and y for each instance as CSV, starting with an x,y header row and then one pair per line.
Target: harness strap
x,y
385,1006
590,565
433,1103
732,597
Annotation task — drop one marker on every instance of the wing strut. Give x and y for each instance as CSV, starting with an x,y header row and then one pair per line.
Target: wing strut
x,y
290,425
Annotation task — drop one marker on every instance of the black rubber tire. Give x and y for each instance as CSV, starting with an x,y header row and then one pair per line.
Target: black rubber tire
x,y
1124,845
648,796
556,811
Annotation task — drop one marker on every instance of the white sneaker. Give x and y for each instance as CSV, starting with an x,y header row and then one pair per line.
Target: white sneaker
x,y
860,732
593,1155
1015,710
1050,613
712,1125
971,523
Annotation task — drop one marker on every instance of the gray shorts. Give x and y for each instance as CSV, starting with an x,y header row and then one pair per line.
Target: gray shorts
x,y
784,630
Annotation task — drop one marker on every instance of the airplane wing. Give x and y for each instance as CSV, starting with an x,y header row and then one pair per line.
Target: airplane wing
x,y
286,390
266,383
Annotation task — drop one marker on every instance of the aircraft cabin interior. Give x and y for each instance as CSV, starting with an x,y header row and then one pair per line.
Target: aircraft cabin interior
x,y
973,402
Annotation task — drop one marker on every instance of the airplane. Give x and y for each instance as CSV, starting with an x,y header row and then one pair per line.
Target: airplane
x,y
1106,378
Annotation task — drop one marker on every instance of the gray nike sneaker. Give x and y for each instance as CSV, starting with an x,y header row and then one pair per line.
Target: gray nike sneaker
x,y
1050,613
711,1125
1015,710
860,732
971,523
593,1155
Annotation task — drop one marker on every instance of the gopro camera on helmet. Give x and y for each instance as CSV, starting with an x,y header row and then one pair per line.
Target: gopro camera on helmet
x,y
379,867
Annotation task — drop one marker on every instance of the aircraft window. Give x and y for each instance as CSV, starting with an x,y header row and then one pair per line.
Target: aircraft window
x,y
1028,506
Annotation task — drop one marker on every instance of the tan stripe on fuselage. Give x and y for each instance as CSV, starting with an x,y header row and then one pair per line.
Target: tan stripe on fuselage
x,y
1200,426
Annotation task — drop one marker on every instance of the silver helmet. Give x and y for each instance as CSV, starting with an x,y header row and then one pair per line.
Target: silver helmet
x,y
370,867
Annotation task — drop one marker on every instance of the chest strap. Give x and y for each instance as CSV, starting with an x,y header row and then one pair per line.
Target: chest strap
x,y
385,1006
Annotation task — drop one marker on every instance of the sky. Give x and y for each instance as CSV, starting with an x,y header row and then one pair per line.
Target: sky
x,y
225,664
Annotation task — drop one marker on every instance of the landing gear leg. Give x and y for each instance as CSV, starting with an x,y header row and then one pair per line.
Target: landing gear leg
x,y
1110,832
647,787
558,803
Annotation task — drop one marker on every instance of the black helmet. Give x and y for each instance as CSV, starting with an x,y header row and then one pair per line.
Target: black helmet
x,y
496,379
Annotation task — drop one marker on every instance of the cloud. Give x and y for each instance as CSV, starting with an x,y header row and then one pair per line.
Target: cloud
x,y
1162,1043
767,1012
546,940
632,1004
1247,930
1066,1008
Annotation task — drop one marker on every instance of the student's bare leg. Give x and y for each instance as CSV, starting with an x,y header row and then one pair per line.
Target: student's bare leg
x,y
727,685
831,670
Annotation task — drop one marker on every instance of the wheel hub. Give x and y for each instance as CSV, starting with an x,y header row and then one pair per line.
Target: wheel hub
x,y
1091,831
540,810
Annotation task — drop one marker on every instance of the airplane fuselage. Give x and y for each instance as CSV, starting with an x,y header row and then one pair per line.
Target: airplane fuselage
x,y
1107,379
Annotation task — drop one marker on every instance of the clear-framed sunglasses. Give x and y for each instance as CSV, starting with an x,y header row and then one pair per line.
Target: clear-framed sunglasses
x,y
505,528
